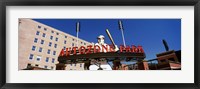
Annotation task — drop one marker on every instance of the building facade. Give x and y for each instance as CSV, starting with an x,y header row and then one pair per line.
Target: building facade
x,y
74,66
40,45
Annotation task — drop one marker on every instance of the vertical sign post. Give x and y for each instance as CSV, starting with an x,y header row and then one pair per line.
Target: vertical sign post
x,y
121,28
77,31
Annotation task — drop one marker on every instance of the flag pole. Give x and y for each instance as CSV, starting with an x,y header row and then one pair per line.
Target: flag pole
x,y
123,38
77,31
77,39
121,28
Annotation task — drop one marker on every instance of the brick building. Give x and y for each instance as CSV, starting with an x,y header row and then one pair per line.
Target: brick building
x,y
40,45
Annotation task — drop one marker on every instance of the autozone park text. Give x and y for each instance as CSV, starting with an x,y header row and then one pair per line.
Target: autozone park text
x,y
96,49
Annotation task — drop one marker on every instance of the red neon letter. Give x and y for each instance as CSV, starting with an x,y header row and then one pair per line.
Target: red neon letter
x,y
62,52
121,48
128,49
74,49
89,49
68,50
136,49
82,50
106,48
133,48
96,49
140,49
112,48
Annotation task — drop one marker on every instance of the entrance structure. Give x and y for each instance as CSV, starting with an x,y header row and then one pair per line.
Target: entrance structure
x,y
115,57
101,53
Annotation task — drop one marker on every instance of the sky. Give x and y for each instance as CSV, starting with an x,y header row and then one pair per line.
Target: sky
x,y
148,33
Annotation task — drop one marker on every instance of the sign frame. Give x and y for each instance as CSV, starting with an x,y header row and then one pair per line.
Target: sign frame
x,y
4,3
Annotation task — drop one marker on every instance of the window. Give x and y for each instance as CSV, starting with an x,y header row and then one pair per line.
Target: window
x,y
53,60
42,41
54,52
39,26
28,65
56,39
80,65
36,65
52,67
65,36
64,48
49,51
71,64
72,44
43,35
45,67
57,33
73,39
52,31
50,44
38,58
51,37
40,49
81,42
65,42
33,48
31,56
84,43
75,64
35,40
45,29
47,59
37,33
55,45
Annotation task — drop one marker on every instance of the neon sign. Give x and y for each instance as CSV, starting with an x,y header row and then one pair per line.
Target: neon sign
x,y
97,49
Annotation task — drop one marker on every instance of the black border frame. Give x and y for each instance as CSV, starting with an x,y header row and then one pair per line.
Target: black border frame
x,y
4,3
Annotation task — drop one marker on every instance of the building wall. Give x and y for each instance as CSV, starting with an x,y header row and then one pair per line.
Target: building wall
x,y
77,66
28,30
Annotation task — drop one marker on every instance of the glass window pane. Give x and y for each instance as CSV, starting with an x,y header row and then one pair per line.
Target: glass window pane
x,y
47,59
55,46
43,35
31,56
49,51
40,49
42,41
51,37
35,40
50,44
53,60
38,58
37,33
45,29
